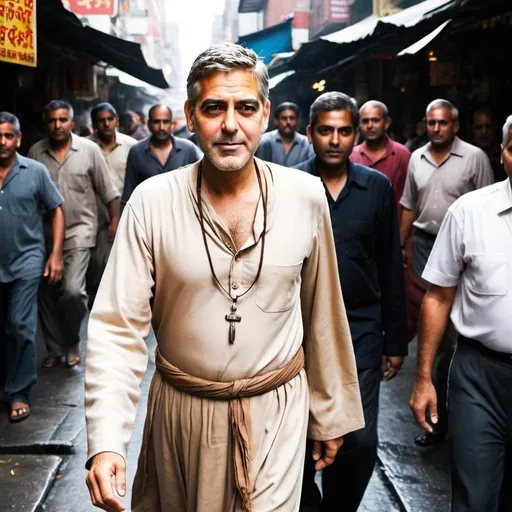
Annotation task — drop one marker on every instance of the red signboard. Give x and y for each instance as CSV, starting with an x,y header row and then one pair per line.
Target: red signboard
x,y
90,7
339,11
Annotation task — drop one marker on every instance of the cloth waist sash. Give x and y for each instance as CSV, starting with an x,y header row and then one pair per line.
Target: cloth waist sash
x,y
237,392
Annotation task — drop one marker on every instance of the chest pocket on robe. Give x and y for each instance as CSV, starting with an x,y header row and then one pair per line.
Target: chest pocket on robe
x,y
278,287
360,240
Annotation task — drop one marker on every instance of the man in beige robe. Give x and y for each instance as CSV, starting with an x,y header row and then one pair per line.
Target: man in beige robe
x,y
230,401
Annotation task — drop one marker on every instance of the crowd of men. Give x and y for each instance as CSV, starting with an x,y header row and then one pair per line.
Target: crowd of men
x,y
408,229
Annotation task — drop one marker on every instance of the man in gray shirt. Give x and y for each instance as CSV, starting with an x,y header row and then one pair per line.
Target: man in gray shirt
x,y
162,152
26,190
78,168
439,173
284,146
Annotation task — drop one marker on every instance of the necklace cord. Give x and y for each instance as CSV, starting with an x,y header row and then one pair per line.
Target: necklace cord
x,y
203,231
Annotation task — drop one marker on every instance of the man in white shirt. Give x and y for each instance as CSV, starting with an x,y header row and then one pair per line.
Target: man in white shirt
x,y
469,272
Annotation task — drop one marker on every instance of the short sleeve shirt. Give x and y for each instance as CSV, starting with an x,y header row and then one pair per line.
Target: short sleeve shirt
x,y
26,193
473,251
271,149
430,189
80,177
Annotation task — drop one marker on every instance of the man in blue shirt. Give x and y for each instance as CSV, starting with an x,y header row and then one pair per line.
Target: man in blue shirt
x,y
162,152
284,146
365,226
26,190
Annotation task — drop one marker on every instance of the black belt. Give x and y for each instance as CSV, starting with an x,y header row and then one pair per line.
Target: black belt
x,y
502,357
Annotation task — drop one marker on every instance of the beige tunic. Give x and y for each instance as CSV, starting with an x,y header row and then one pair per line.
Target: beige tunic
x,y
159,257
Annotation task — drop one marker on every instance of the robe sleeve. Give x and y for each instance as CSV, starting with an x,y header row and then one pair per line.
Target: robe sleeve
x,y
335,400
117,353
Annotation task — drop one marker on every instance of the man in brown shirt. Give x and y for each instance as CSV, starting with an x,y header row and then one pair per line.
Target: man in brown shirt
x,y
80,171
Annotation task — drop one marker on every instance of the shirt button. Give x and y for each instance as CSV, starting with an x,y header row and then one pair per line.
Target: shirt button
x,y
235,286
1,192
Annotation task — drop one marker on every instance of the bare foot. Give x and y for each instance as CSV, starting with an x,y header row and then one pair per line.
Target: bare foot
x,y
73,356
19,411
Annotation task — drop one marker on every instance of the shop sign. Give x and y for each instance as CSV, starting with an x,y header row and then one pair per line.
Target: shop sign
x,y
18,40
92,7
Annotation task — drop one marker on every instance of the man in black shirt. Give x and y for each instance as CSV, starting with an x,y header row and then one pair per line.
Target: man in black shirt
x,y
365,226
159,153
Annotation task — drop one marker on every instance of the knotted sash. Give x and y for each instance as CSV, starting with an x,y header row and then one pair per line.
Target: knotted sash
x,y
239,409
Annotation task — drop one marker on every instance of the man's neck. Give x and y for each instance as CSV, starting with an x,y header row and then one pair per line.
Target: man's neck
x,y
61,146
228,183
331,173
107,143
7,165
287,139
158,144
441,150
375,146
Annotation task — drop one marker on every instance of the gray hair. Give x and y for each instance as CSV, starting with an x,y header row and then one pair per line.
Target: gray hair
x,y
376,104
7,117
506,130
330,101
439,103
225,57
58,105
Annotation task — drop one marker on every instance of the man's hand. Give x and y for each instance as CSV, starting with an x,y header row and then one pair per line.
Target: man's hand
x,y
112,229
104,466
391,366
423,399
324,452
53,268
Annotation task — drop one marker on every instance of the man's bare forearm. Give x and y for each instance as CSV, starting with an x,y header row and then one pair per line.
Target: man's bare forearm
x,y
435,312
58,229
113,209
406,221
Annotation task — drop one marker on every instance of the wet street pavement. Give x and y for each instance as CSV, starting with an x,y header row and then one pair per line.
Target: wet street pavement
x,y
42,460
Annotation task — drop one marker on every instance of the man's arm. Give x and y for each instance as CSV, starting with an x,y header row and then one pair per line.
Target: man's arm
x,y
131,179
335,400
117,354
435,311
483,175
54,266
406,222
392,284
113,211
443,270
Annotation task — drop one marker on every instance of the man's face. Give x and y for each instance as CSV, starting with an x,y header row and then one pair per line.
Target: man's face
x,y
441,128
9,142
160,124
373,123
59,125
484,131
106,124
506,155
228,118
286,122
333,137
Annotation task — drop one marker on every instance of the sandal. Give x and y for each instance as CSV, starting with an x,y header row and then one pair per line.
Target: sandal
x,y
50,362
19,413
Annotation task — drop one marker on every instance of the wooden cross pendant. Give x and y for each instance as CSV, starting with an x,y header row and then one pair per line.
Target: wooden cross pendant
x,y
232,318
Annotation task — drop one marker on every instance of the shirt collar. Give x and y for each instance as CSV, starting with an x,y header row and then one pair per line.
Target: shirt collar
x,y
456,148
146,144
390,149
354,174
503,201
277,137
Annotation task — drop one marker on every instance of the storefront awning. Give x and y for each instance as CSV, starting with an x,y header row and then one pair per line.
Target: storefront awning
x,y
279,78
268,42
424,41
251,6
61,27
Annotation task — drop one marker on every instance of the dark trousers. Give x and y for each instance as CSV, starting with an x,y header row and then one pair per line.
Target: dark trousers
x,y
441,383
480,422
18,326
344,482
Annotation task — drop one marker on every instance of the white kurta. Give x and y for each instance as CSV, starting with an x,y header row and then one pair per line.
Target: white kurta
x,y
158,273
